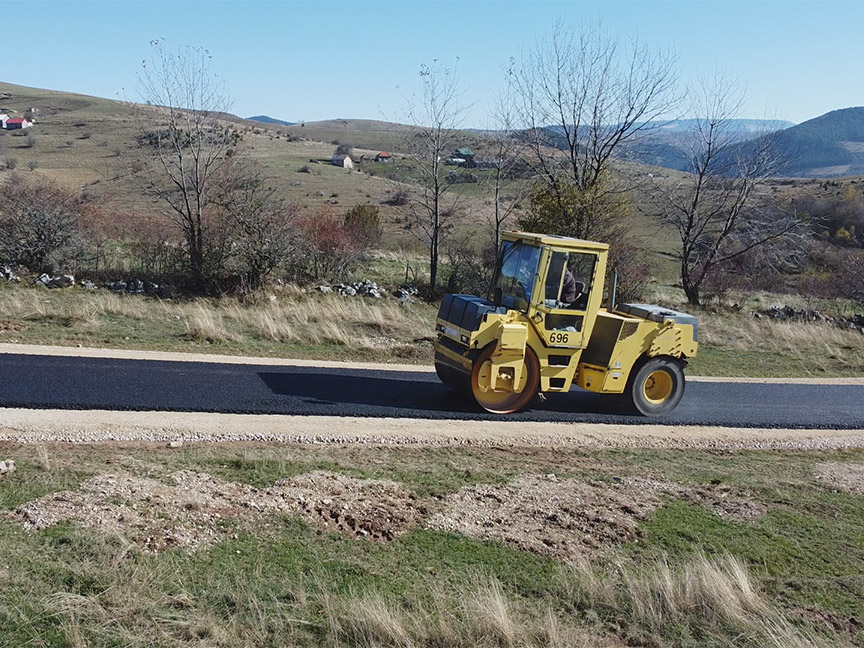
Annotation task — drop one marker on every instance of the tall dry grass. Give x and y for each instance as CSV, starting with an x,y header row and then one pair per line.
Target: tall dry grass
x,y
293,317
484,615
805,342
710,597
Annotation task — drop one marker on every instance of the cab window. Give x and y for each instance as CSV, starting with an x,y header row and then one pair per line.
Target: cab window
x,y
568,286
516,274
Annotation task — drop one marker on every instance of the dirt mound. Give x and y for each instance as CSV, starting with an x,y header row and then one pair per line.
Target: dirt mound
x,y
381,510
568,518
845,476
724,501
150,513
563,518
194,510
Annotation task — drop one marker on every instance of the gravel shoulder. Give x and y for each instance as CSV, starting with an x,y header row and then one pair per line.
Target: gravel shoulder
x,y
96,426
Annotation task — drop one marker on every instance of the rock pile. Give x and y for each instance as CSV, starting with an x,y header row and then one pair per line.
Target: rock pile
x,y
62,281
138,287
7,273
363,288
788,313
405,293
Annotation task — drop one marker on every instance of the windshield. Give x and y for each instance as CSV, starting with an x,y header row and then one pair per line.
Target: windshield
x,y
518,268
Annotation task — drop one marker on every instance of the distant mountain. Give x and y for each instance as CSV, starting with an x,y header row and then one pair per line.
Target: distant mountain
x,y
264,119
666,144
828,146
750,126
831,145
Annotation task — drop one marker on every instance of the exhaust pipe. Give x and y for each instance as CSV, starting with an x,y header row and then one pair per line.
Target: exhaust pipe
x,y
613,288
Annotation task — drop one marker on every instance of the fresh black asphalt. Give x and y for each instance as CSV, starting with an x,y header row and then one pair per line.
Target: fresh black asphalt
x,y
55,382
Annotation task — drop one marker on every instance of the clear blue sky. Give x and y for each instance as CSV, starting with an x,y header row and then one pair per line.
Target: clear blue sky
x,y
308,60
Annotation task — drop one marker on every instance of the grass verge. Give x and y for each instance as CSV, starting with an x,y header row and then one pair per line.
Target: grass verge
x,y
689,578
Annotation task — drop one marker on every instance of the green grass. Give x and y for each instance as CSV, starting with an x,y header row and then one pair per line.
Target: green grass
x,y
294,585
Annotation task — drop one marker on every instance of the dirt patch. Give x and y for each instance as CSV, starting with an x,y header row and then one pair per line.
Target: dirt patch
x,y
722,500
845,476
843,625
377,509
194,510
568,518
9,325
563,518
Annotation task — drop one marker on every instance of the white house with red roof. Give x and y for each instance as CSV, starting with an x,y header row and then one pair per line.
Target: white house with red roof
x,y
15,124
384,156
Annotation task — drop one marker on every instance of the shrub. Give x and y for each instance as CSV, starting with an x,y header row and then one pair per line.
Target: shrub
x,y
470,269
39,224
398,198
364,224
326,248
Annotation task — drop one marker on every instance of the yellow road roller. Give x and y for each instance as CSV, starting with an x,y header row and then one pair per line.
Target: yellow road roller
x,y
545,329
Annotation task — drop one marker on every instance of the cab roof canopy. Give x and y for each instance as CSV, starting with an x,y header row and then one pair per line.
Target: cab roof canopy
x,y
533,238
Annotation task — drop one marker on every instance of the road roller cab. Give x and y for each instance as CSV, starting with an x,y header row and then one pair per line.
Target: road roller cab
x,y
544,329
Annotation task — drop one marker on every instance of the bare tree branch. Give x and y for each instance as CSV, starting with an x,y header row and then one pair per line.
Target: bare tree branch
x,y
718,211
186,145
583,96
436,118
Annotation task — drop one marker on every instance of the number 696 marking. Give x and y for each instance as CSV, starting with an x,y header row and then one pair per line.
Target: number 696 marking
x,y
559,338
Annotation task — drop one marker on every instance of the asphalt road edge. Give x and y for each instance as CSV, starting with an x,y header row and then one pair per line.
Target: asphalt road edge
x,y
170,356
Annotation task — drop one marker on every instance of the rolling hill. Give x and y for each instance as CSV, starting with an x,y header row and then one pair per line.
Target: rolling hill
x,y
828,146
831,145
264,119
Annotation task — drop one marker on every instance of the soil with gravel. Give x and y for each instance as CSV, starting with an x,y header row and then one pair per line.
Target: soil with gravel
x,y
844,476
194,510
568,518
562,518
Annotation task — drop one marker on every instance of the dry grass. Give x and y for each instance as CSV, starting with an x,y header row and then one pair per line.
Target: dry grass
x,y
207,324
712,598
733,343
485,615
806,344
707,595
266,326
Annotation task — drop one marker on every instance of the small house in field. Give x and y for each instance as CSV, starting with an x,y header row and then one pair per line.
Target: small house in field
x,y
383,156
343,161
15,124
463,157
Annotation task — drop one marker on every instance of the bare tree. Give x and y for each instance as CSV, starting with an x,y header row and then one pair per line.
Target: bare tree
x,y
506,152
435,120
187,145
584,96
718,211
